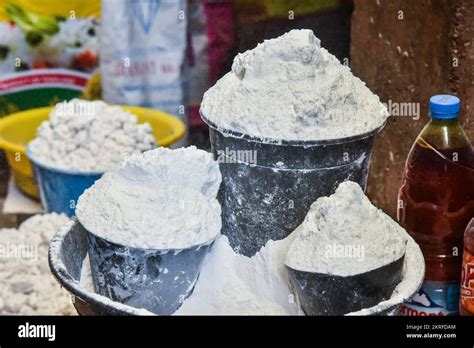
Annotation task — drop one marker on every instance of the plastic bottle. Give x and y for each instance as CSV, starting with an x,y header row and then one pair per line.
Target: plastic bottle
x,y
435,204
466,306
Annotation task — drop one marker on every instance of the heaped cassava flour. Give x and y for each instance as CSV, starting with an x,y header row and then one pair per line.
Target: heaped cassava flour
x,y
89,136
290,88
26,284
234,284
344,235
142,52
161,199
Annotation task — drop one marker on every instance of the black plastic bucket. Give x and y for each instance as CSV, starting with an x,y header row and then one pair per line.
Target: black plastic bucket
x,y
156,280
322,294
67,250
269,197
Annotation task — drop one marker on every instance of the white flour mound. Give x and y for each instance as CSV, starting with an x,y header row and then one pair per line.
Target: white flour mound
x,y
234,284
26,284
290,88
161,199
344,235
89,136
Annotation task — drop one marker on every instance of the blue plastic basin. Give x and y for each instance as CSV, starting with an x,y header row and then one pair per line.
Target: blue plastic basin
x,y
60,189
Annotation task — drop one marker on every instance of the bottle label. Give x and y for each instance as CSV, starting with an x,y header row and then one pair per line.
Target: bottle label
x,y
433,299
467,282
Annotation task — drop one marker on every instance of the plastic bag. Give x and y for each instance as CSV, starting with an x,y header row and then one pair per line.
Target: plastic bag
x,y
143,49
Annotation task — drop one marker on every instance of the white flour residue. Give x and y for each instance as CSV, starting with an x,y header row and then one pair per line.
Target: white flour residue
x,y
89,136
86,275
344,234
233,284
26,284
290,88
161,199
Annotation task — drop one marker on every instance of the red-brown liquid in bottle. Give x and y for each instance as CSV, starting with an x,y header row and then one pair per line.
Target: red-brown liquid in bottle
x,y
439,203
436,203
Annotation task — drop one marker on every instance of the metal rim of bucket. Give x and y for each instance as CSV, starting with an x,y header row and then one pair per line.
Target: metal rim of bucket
x,y
74,287
271,141
38,163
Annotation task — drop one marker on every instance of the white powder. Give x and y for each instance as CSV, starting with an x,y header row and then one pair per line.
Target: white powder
x,y
26,284
161,199
290,88
344,234
234,284
86,275
89,136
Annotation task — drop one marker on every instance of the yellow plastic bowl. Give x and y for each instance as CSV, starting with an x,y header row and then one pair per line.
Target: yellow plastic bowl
x,y
18,129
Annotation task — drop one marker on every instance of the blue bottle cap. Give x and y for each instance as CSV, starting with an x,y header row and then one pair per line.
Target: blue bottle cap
x,y
444,106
